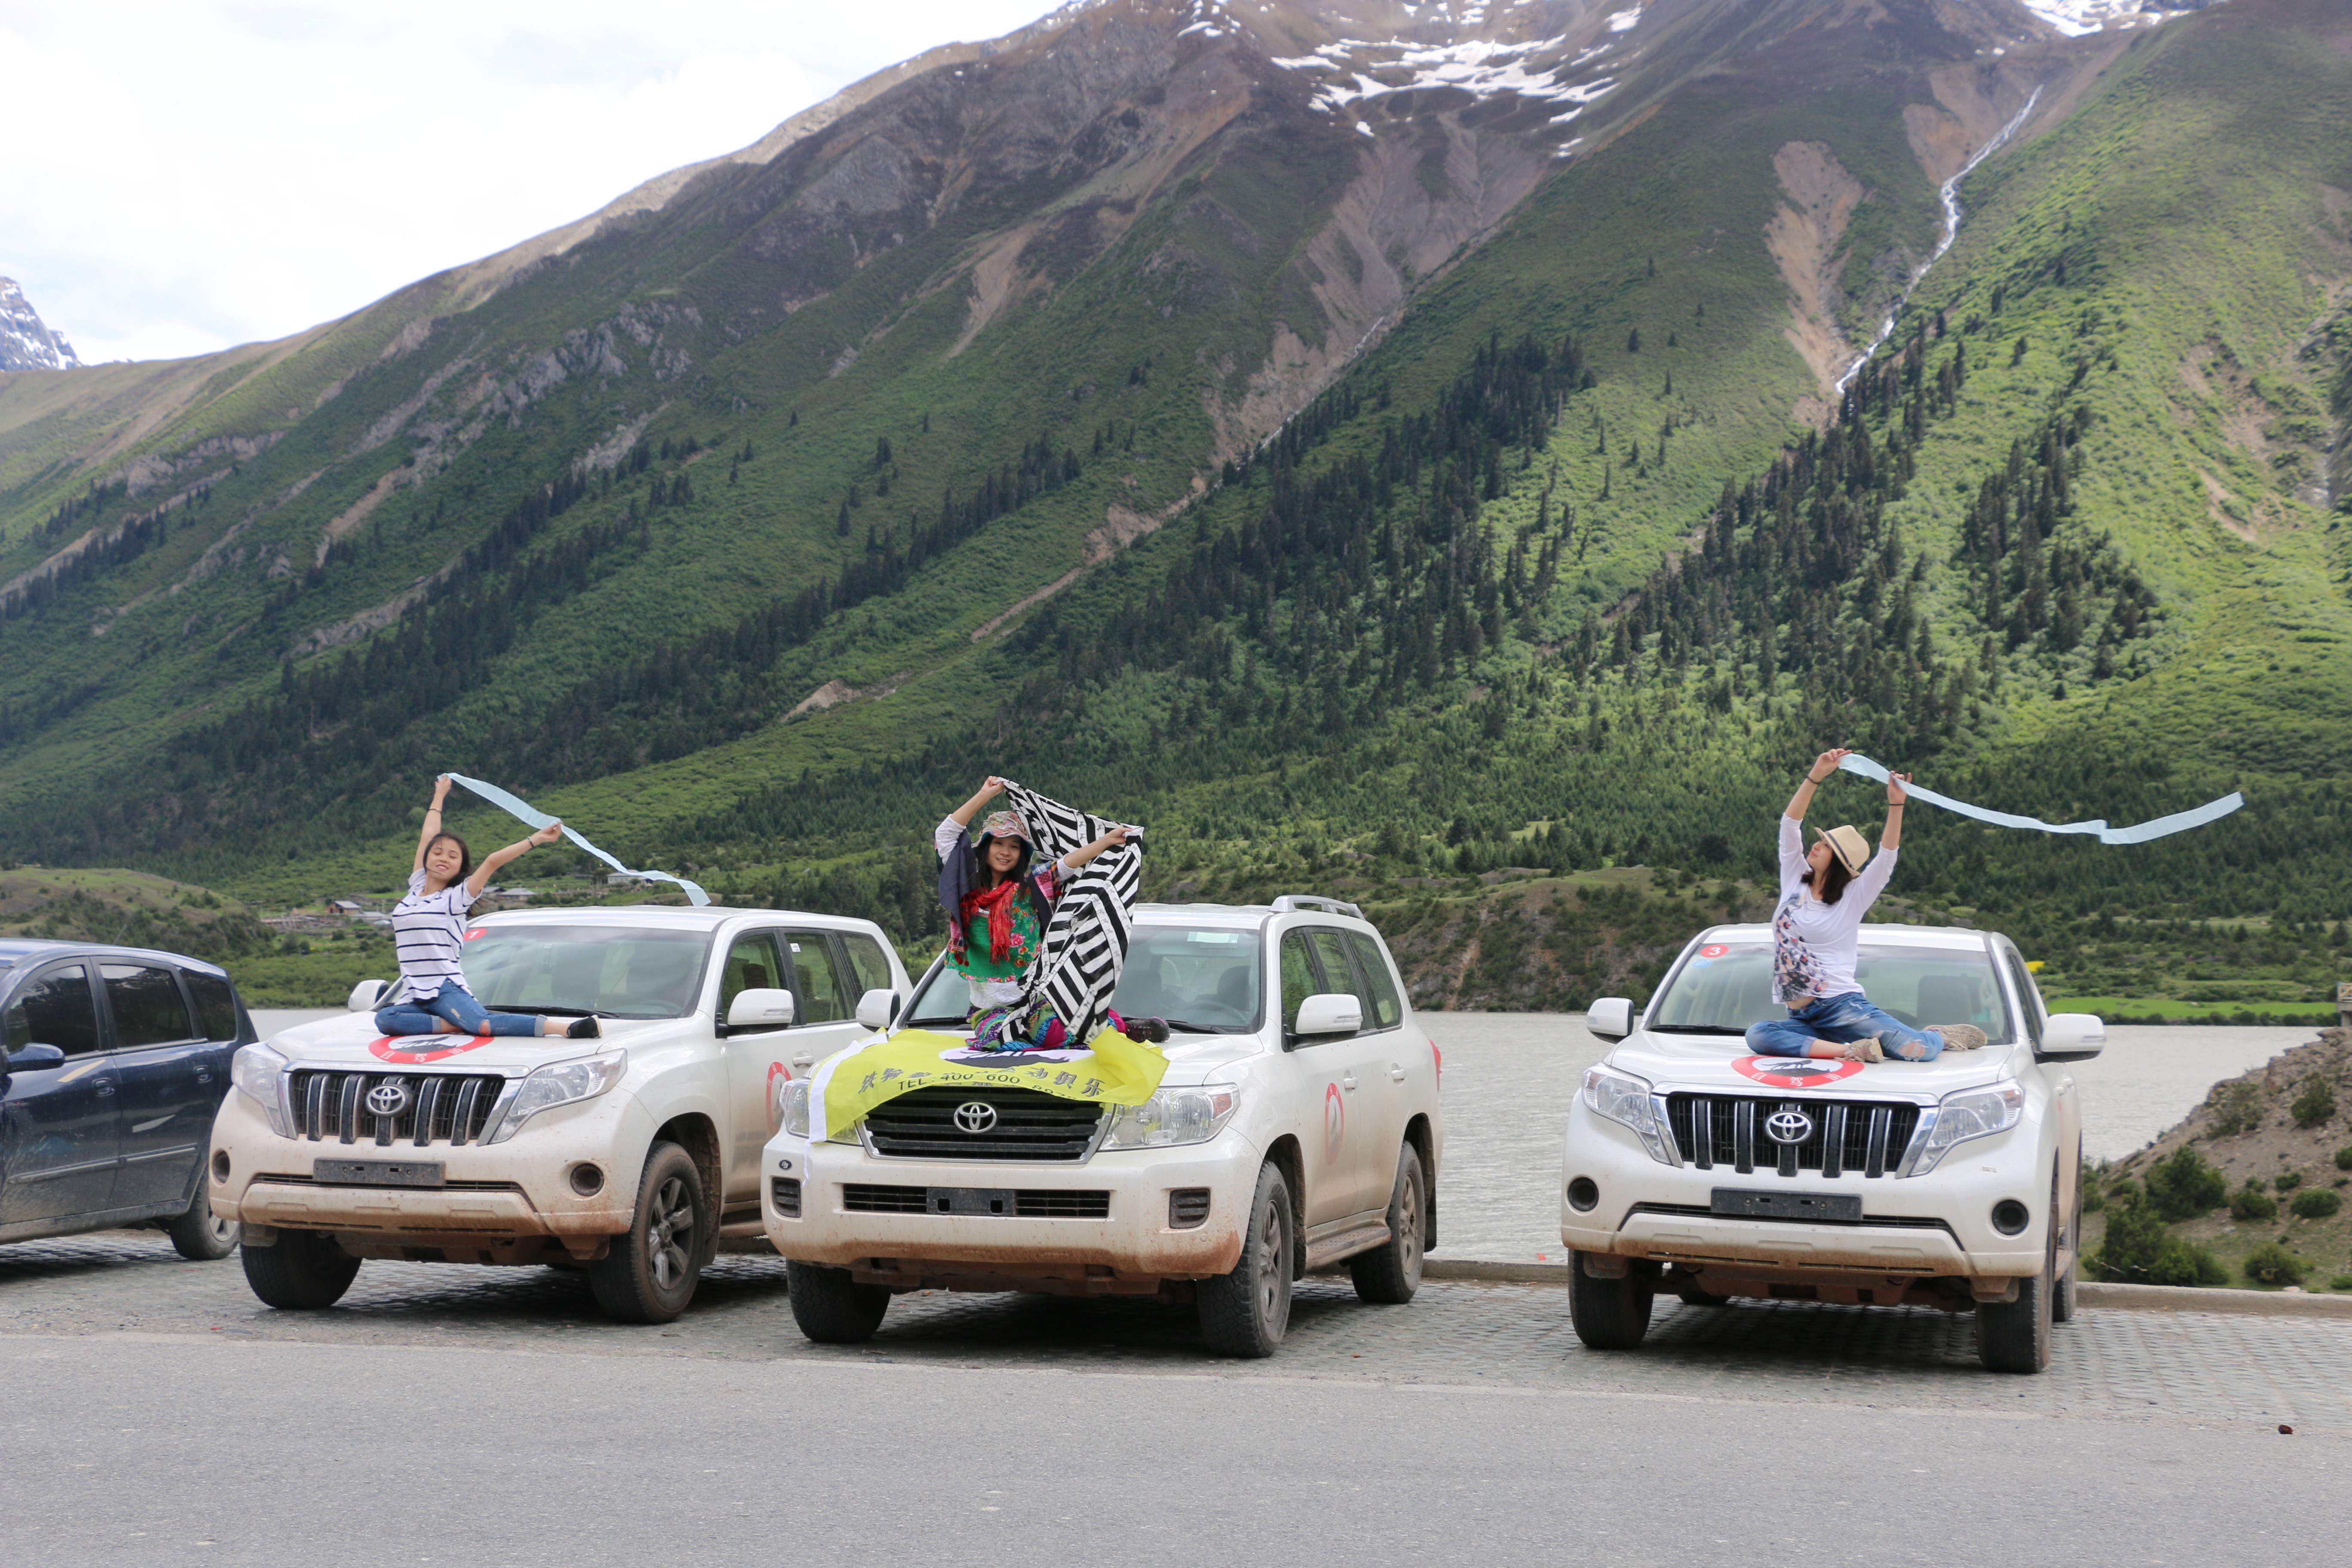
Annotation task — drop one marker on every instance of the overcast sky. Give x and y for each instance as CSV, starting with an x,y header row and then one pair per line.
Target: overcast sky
x,y
186,175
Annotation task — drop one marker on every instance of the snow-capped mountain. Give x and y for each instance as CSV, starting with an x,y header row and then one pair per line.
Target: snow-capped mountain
x,y
27,343
2075,18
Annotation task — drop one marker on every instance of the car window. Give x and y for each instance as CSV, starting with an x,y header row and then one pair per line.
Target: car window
x,y
625,971
750,966
55,1008
943,1001
2028,996
1721,988
1299,979
1203,979
1331,957
817,990
147,1006
1382,1009
865,960
215,1004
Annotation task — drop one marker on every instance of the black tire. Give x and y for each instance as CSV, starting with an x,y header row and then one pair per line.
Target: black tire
x,y
1608,1314
649,1275
1246,1312
302,1271
1390,1272
201,1235
2014,1336
2065,1301
830,1307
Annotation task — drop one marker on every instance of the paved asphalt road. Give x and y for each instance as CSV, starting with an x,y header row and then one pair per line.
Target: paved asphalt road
x,y
158,1415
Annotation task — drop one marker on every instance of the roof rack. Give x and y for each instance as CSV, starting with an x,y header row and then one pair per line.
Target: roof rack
x,y
1286,902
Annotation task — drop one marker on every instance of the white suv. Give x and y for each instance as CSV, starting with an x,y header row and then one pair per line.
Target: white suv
x,y
628,1156
1297,1126
1694,1166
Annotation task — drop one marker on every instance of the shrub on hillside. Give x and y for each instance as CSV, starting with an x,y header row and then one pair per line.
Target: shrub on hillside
x,y
2250,1202
2187,1186
2237,1108
2344,1158
2271,1264
2287,1181
2341,1282
2316,1203
2140,1249
2316,1104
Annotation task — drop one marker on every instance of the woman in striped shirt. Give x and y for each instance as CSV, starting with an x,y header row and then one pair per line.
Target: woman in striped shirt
x,y
428,926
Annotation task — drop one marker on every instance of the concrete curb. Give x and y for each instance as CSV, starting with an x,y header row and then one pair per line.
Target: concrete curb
x,y
2123,1298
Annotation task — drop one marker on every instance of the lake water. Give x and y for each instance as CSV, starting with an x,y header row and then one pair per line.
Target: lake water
x,y
1508,1076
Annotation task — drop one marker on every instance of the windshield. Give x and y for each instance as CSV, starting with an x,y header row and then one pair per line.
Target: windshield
x,y
617,971
1723,987
1201,979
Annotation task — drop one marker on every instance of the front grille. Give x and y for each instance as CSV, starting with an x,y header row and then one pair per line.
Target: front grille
x,y
1188,1208
787,1193
441,1107
1027,1203
1848,1137
1027,1125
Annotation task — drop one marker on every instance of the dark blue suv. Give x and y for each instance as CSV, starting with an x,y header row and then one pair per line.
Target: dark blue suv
x,y
117,1059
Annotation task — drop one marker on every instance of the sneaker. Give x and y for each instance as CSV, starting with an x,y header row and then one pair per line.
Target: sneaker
x,y
584,1030
1151,1030
1961,1036
1864,1051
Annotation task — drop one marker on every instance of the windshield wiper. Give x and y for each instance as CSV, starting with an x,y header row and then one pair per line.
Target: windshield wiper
x,y
1697,1028
1191,1028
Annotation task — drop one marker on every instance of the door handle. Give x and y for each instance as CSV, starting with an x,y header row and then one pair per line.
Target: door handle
x,y
804,1061
1396,1072
106,1088
1348,1082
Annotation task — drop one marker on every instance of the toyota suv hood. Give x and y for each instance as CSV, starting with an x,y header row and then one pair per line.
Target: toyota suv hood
x,y
356,1042
1708,1063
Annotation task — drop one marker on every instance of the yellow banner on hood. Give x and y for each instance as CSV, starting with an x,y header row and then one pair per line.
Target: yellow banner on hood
x,y
1112,1070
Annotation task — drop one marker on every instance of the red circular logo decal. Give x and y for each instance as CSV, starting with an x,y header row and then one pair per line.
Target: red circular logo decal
x,y
474,935
779,1074
1713,950
1795,1072
389,1048
1334,1124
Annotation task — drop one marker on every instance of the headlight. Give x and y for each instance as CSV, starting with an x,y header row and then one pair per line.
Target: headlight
x,y
255,1070
796,1101
1972,1113
1625,1100
560,1083
1175,1116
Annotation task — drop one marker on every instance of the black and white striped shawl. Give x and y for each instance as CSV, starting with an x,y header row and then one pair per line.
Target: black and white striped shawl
x,y
1085,946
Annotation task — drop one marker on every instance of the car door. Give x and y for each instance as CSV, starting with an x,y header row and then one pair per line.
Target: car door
x,y
59,1137
1371,1080
824,999
1329,1129
164,1070
755,1060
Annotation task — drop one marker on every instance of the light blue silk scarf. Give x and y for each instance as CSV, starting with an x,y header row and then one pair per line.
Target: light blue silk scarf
x,y
2211,811
517,807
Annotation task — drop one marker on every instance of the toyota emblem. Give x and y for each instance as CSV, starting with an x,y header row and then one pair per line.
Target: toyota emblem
x,y
975,1116
1788,1127
389,1098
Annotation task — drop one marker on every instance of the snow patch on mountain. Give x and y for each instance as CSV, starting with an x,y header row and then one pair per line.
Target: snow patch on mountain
x,y
2076,17
27,343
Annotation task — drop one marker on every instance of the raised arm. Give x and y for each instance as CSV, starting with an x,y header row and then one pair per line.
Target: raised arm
x,y
497,857
1823,766
988,791
1891,837
1084,853
432,820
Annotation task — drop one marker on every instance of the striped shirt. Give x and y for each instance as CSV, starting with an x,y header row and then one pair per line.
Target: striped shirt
x,y
426,929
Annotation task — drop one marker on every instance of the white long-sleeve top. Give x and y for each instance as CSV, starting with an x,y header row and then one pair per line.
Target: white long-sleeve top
x,y
1814,944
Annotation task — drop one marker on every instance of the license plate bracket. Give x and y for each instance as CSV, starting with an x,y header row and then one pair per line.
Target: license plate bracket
x,y
377,1172
995,1202
1749,1203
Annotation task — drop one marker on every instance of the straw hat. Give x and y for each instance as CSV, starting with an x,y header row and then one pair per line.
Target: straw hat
x,y
1846,842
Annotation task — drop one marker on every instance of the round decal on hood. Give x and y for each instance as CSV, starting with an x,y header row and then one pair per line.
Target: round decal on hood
x,y
1795,1072
392,1049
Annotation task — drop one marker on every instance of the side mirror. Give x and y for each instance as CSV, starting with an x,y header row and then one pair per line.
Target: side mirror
x,y
1329,1013
33,1058
2071,1037
366,996
1609,1018
759,1007
877,1009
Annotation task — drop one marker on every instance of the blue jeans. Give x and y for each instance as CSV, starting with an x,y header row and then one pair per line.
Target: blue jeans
x,y
458,1005
1843,1018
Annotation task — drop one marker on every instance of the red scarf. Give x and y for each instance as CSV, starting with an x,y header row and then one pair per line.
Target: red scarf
x,y
997,902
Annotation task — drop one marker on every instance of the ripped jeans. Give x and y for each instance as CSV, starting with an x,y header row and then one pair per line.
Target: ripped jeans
x,y
458,1005
1843,1018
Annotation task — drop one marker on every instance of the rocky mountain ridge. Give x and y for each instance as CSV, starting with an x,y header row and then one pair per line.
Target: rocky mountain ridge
x,y
27,343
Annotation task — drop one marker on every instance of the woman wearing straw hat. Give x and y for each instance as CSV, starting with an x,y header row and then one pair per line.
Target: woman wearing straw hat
x,y
1826,894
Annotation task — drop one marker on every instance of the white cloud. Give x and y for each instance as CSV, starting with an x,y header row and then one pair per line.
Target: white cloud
x,y
185,174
